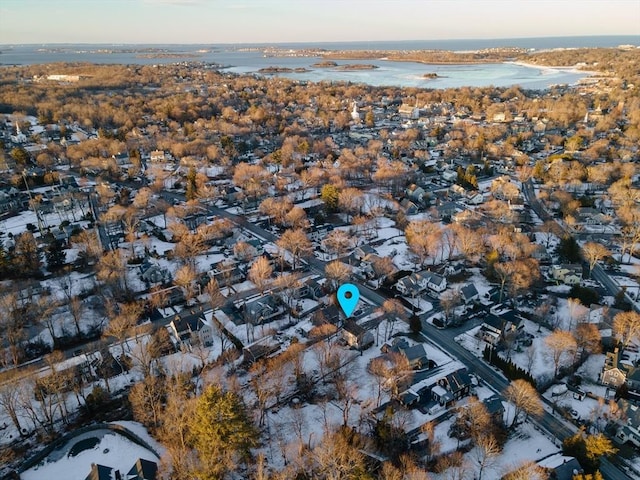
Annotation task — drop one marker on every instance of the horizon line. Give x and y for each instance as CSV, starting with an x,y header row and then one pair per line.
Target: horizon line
x,y
330,41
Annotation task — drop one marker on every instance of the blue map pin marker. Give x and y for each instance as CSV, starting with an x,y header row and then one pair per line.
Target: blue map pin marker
x,y
348,296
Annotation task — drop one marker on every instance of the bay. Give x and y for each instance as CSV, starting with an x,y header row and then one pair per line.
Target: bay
x,y
249,59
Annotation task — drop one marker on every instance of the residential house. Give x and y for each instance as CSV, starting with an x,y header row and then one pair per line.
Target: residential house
x,y
416,283
102,472
357,336
411,285
361,252
450,175
157,156
569,274
416,356
560,467
474,198
397,344
591,216
495,408
469,293
541,254
614,373
226,273
602,317
417,195
457,383
374,269
186,328
452,387
448,209
434,282
194,220
495,328
411,112
310,288
122,158
629,422
328,314
152,272
260,349
263,309
633,379
143,470
409,207
10,199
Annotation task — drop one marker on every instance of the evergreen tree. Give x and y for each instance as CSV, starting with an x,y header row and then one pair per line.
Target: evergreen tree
x,y
4,259
569,250
588,449
415,324
55,255
192,188
330,195
221,433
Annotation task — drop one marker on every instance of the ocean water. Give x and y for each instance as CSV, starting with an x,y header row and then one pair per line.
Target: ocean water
x,y
248,59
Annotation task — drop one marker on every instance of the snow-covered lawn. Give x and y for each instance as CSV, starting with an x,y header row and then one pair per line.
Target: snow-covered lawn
x,y
527,444
113,450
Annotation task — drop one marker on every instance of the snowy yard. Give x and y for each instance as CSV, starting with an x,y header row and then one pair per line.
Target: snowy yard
x,y
107,448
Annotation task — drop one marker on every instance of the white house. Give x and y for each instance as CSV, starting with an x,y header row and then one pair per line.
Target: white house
x,y
186,328
433,281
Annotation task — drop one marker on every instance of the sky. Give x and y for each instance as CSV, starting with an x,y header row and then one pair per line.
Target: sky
x,y
261,21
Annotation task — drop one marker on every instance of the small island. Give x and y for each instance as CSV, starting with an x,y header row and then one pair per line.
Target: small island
x,y
357,66
168,55
325,64
272,70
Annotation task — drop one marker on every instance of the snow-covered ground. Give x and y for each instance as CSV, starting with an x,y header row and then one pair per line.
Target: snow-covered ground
x,y
113,450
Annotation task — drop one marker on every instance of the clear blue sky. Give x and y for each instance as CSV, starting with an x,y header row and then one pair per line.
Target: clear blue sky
x,y
252,21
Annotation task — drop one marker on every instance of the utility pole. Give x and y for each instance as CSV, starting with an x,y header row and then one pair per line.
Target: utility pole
x,y
36,210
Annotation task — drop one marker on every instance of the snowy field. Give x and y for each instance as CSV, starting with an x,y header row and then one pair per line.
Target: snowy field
x,y
113,450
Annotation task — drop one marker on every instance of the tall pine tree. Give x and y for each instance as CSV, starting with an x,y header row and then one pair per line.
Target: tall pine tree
x,y
55,255
221,433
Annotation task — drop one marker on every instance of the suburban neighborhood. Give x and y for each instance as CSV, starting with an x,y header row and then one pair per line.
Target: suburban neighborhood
x,y
177,233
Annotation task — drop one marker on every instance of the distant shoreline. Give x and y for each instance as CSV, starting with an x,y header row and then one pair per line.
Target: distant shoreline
x,y
569,69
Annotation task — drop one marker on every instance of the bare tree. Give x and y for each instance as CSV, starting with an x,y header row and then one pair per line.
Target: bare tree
x,y
189,247
486,452
562,346
146,401
12,327
525,399
626,327
588,339
528,470
449,301
76,309
296,243
531,354
123,322
260,273
338,242
10,391
577,312
423,238
392,310
453,466
337,273
594,252
112,270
